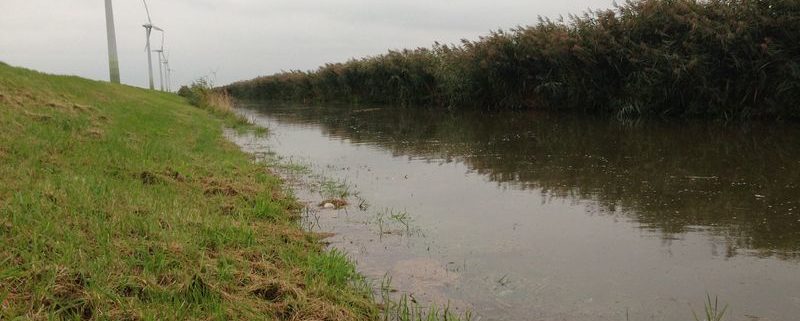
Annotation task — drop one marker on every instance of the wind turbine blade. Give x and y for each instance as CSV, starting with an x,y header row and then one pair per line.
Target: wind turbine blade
x,y
148,12
156,28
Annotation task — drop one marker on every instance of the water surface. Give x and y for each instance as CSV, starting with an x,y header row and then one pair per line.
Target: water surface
x,y
530,216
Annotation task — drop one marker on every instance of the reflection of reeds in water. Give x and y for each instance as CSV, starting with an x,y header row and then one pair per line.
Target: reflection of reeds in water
x,y
669,177
724,59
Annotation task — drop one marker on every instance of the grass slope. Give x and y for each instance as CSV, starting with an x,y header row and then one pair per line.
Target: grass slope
x,y
125,204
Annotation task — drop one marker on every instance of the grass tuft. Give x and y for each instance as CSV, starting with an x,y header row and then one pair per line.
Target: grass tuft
x,y
712,311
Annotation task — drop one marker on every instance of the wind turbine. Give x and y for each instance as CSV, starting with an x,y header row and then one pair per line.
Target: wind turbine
x,y
161,62
214,73
113,60
167,72
169,76
160,68
149,29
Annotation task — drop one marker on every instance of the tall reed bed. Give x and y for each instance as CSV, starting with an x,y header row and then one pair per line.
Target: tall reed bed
x,y
718,58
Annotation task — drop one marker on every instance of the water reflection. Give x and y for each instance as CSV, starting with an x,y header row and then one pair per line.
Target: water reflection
x,y
738,183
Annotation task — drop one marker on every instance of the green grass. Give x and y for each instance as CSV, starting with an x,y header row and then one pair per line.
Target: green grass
x,y
711,311
118,203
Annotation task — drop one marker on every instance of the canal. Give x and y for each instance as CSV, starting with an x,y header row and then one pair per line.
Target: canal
x,y
536,216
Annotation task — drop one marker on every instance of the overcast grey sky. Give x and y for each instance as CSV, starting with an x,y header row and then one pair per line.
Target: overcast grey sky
x,y
242,39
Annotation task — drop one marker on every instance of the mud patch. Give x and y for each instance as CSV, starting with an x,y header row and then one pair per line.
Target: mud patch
x,y
132,290
274,292
225,190
152,178
271,292
175,175
213,187
149,178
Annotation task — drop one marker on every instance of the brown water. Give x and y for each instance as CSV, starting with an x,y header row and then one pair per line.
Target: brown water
x,y
527,216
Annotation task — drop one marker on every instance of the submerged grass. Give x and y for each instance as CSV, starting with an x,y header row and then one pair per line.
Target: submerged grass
x,y
405,308
712,310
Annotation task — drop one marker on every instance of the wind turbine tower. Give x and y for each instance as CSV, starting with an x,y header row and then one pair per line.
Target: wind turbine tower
x,y
149,29
160,53
113,60
169,74
168,86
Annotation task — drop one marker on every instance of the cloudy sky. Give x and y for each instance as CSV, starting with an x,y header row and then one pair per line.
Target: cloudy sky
x,y
242,39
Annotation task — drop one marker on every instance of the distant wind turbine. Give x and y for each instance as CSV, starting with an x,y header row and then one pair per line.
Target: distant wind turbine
x,y
169,76
214,73
167,72
113,60
160,68
149,29
161,62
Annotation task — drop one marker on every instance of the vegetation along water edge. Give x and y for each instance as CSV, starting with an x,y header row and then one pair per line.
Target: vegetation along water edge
x,y
118,203
727,59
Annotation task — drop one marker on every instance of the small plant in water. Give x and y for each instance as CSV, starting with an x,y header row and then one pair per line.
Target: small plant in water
x,y
712,311
335,188
390,215
406,308
402,218
362,204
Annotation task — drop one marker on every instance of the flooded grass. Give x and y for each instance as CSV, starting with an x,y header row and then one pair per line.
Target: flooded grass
x,y
335,188
404,307
712,310
337,267
394,222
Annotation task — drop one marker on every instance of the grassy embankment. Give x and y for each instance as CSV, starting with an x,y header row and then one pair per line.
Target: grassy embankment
x,y
691,58
126,204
